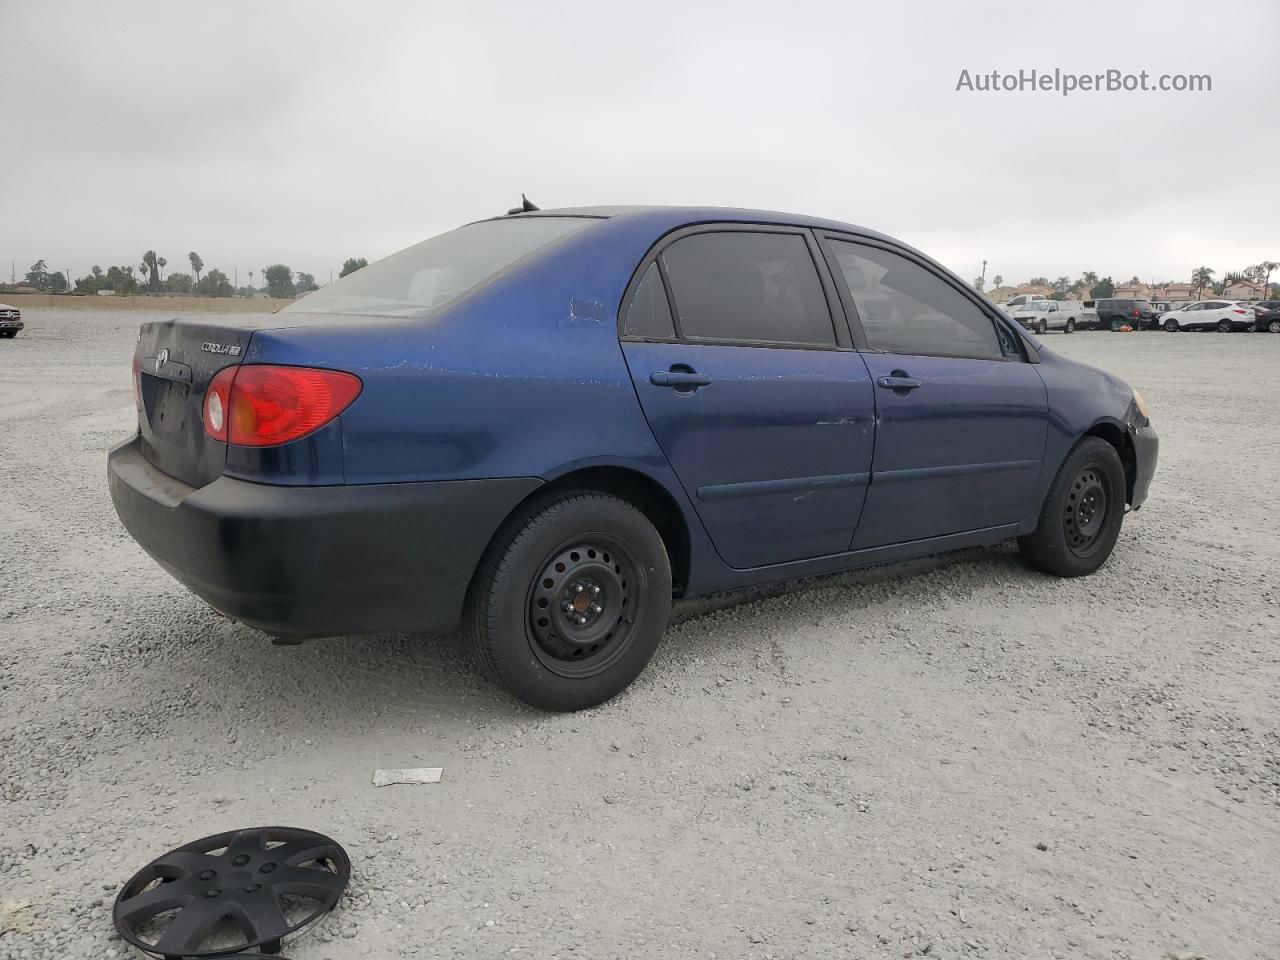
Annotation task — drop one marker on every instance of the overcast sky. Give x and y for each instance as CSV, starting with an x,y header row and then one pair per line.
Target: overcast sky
x,y
257,133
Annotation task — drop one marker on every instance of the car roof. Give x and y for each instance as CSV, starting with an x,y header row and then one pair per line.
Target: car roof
x,y
678,216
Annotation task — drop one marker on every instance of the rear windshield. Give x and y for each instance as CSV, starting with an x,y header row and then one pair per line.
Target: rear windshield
x,y
428,275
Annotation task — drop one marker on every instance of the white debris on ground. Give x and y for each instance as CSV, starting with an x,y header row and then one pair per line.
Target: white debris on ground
x,y
959,758
409,775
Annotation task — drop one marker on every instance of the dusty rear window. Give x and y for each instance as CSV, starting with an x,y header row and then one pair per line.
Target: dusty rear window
x,y
428,275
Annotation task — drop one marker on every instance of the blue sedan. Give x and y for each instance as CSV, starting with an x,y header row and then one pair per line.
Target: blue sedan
x,y
548,425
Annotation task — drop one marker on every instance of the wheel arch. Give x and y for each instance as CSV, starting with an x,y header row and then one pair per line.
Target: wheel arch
x,y
1114,433
632,485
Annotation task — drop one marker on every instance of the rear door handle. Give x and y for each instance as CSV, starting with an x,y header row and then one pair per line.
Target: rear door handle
x,y
680,379
899,381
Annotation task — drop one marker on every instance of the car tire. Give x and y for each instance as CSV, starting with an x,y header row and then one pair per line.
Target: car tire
x,y
1274,325
8,334
1116,324
1071,325
1171,326
1043,327
1082,513
570,601
1224,326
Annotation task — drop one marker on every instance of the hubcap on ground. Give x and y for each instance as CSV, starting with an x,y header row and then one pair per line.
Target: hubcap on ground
x,y
231,892
582,607
1085,514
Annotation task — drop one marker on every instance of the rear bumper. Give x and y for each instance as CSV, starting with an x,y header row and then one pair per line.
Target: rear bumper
x,y
1146,451
316,561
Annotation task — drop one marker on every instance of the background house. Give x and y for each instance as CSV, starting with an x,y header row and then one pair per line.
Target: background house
x,y
1242,290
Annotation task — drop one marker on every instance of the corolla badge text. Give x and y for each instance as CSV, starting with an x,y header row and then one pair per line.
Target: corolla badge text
x,y
230,349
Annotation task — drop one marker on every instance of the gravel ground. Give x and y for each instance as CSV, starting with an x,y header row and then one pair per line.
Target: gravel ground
x,y
953,758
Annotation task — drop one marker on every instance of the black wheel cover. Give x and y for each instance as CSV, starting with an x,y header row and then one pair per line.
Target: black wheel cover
x,y
583,605
231,878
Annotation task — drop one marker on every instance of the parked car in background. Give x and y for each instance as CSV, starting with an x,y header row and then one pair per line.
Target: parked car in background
x,y
1266,316
1160,307
1022,299
602,409
10,321
1044,315
1224,315
1114,313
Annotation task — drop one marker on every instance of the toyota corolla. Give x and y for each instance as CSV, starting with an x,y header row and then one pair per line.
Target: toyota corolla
x,y
549,424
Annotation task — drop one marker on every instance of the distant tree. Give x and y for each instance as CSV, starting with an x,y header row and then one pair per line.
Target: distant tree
x,y
250,283
121,280
1202,277
93,282
196,264
1038,281
1103,288
977,284
1062,284
38,275
1088,278
279,280
352,264
1134,280
161,262
997,282
1268,266
57,282
179,283
151,267
214,284
306,282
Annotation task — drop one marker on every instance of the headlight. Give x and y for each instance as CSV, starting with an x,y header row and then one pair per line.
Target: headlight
x,y
1140,404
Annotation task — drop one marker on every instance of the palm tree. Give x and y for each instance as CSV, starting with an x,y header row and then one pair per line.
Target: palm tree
x,y
1088,278
150,268
997,282
161,262
1268,265
196,265
1201,277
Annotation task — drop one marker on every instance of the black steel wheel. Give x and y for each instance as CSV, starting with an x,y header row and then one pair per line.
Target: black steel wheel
x,y
570,600
578,606
231,892
1082,513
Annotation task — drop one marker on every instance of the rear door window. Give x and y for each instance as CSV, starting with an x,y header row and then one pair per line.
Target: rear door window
x,y
740,286
907,309
649,314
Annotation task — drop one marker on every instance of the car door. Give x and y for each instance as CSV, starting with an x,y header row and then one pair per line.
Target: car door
x,y
753,391
961,414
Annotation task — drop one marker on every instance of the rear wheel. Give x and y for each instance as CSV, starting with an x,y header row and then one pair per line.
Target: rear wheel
x,y
1081,516
1224,326
1071,325
1171,325
8,334
1116,324
1274,325
570,601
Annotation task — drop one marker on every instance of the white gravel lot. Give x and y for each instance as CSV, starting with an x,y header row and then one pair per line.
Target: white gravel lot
x,y
955,758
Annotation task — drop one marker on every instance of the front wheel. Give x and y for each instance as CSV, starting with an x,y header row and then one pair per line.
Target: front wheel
x,y
1081,516
1071,325
1043,327
1274,325
1171,326
571,601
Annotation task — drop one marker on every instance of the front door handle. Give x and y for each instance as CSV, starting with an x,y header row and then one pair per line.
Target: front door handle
x,y
899,382
680,379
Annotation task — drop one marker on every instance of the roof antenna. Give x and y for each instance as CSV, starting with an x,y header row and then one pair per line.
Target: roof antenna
x,y
526,206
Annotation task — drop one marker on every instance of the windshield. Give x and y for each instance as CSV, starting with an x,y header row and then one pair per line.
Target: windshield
x,y
430,274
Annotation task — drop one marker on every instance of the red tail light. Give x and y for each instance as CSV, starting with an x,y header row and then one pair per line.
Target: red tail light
x,y
1136,312
261,405
1239,311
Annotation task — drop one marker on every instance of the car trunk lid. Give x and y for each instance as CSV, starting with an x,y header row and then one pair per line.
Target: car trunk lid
x,y
173,364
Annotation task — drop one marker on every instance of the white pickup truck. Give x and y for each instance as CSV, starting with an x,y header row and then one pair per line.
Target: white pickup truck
x,y
1022,300
1044,315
